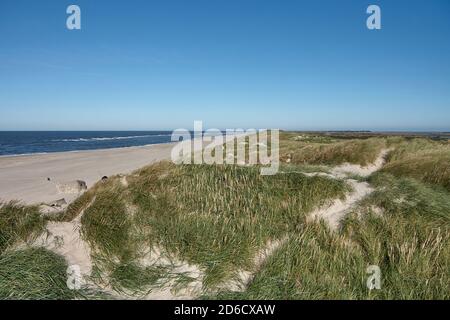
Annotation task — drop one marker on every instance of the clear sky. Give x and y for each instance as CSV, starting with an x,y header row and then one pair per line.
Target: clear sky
x,y
144,65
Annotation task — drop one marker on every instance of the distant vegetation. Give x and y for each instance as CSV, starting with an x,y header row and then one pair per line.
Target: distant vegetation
x,y
324,150
422,159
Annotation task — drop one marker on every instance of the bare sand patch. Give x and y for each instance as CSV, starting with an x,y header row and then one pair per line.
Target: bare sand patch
x,y
334,212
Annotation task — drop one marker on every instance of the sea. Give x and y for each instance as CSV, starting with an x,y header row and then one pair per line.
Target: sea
x,y
32,142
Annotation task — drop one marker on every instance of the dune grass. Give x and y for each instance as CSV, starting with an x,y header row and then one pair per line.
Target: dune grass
x,y
312,264
106,226
219,216
133,279
328,151
403,227
76,207
212,216
19,223
409,241
422,159
33,274
410,197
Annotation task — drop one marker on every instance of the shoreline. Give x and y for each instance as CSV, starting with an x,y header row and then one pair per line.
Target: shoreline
x,y
82,150
23,178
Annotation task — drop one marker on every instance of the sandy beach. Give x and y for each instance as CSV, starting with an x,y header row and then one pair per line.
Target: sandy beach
x,y
24,177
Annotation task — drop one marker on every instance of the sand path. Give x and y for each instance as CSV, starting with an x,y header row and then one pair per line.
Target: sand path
x,y
333,213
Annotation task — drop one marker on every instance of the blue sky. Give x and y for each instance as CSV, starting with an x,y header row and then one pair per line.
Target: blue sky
x,y
143,65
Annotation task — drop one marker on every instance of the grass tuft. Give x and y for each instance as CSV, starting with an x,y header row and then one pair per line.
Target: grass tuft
x,y
422,159
33,274
19,223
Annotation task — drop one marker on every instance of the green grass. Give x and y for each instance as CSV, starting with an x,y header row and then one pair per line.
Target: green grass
x,y
312,264
33,274
410,242
212,216
106,226
410,197
422,159
76,207
19,223
217,216
330,151
136,280
81,203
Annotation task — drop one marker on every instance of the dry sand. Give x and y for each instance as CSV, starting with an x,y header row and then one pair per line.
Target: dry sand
x,y
334,212
25,177
64,238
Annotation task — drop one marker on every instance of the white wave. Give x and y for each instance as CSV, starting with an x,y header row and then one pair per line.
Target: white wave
x,y
110,138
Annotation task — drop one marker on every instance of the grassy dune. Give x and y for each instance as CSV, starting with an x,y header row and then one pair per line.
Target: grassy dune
x,y
409,241
312,264
217,218
422,159
322,150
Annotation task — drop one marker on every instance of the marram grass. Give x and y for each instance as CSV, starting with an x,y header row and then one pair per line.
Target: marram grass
x,y
33,274
330,152
19,223
217,217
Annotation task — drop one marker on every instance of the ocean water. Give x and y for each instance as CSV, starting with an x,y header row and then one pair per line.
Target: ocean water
x,y
28,142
